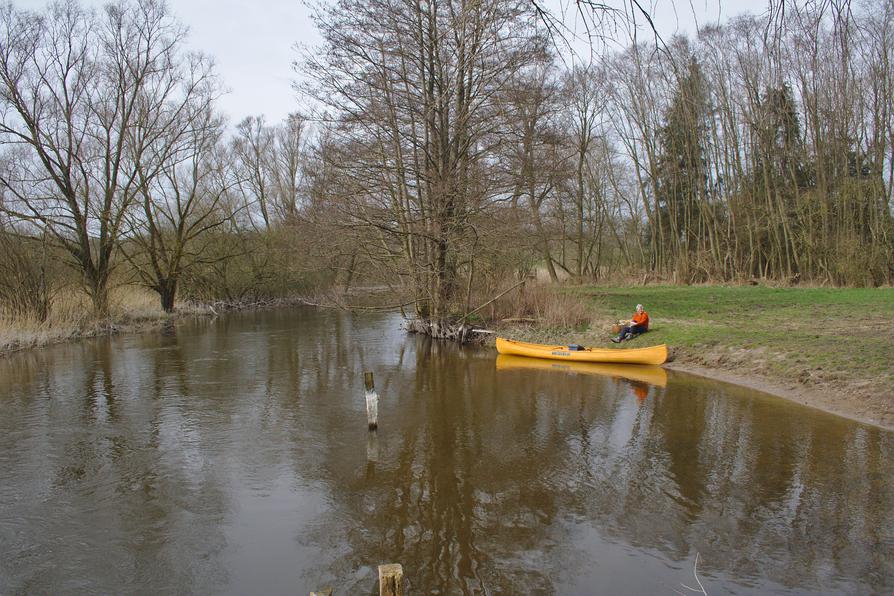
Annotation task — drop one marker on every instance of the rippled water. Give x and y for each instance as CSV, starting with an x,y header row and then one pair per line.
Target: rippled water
x,y
232,457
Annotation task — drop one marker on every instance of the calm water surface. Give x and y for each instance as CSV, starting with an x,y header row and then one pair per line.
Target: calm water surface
x,y
232,457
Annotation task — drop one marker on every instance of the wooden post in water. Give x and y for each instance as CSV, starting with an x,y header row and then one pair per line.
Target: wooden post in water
x,y
391,580
372,447
372,401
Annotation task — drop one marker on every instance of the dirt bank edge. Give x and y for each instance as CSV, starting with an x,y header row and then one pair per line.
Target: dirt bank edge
x,y
834,400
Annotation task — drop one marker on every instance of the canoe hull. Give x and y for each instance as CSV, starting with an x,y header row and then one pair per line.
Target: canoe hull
x,y
652,355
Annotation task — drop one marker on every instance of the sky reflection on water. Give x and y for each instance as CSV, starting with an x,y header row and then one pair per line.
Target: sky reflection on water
x,y
231,456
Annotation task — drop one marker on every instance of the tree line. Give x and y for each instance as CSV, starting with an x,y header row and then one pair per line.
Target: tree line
x,y
463,147
117,167
447,149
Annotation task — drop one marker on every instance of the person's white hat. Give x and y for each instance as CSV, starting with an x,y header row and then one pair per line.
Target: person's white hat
x,y
639,306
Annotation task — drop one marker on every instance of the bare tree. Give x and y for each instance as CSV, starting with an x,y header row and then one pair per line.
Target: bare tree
x,y
587,101
414,88
289,167
84,96
253,150
537,154
271,161
183,200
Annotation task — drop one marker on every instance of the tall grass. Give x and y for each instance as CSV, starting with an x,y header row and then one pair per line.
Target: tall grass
x,y
23,274
543,305
70,315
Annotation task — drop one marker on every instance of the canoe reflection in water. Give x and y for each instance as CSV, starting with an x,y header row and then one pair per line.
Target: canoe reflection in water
x,y
641,375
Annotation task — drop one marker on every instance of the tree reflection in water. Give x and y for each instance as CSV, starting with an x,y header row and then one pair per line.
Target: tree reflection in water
x,y
232,455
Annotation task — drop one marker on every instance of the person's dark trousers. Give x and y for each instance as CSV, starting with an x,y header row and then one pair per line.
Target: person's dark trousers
x,y
631,331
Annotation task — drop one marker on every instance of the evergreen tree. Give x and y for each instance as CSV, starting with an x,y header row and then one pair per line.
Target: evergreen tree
x,y
682,169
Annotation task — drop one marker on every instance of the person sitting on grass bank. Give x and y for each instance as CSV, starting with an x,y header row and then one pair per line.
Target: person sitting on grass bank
x,y
639,324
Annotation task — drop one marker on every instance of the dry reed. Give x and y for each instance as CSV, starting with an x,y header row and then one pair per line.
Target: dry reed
x,y
547,306
70,316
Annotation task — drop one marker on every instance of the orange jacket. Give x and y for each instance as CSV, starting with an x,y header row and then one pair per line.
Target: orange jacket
x,y
641,318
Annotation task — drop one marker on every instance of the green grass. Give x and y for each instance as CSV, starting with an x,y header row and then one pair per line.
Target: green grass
x,y
842,337
837,331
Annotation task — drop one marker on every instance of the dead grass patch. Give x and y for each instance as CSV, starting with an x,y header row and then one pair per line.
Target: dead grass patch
x,y
70,316
545,306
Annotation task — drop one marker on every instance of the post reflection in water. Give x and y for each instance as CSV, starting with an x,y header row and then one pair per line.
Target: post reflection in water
x,y
232,456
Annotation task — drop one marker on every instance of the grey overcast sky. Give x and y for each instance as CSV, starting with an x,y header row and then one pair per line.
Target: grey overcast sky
x,y
253,46
253,42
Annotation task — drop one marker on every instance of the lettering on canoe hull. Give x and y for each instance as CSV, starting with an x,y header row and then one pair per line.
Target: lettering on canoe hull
x,y
561,353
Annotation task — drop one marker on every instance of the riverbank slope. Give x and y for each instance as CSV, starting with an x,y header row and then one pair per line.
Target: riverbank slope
x,y
132,309
830,348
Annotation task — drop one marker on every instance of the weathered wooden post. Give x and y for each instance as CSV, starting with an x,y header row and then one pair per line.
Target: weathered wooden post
x,y
323,592
372,401
391,580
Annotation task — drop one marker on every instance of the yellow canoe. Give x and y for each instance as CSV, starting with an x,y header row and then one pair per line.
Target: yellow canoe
x,y
653,375
652,355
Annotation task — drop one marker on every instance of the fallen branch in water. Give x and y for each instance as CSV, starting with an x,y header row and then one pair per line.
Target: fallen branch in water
x,y
333,302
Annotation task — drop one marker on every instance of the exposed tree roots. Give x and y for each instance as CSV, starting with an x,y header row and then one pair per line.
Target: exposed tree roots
x,y
450,330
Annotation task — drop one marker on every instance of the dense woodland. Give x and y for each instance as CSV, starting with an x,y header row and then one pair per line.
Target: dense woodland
x,y
446,149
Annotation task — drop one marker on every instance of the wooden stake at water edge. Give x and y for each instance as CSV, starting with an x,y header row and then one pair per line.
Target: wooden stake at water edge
x,y
391,580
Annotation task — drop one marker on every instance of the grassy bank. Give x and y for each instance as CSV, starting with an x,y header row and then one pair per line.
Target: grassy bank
x,y
836,343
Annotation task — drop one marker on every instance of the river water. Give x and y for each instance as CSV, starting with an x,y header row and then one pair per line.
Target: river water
x,y
232,456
